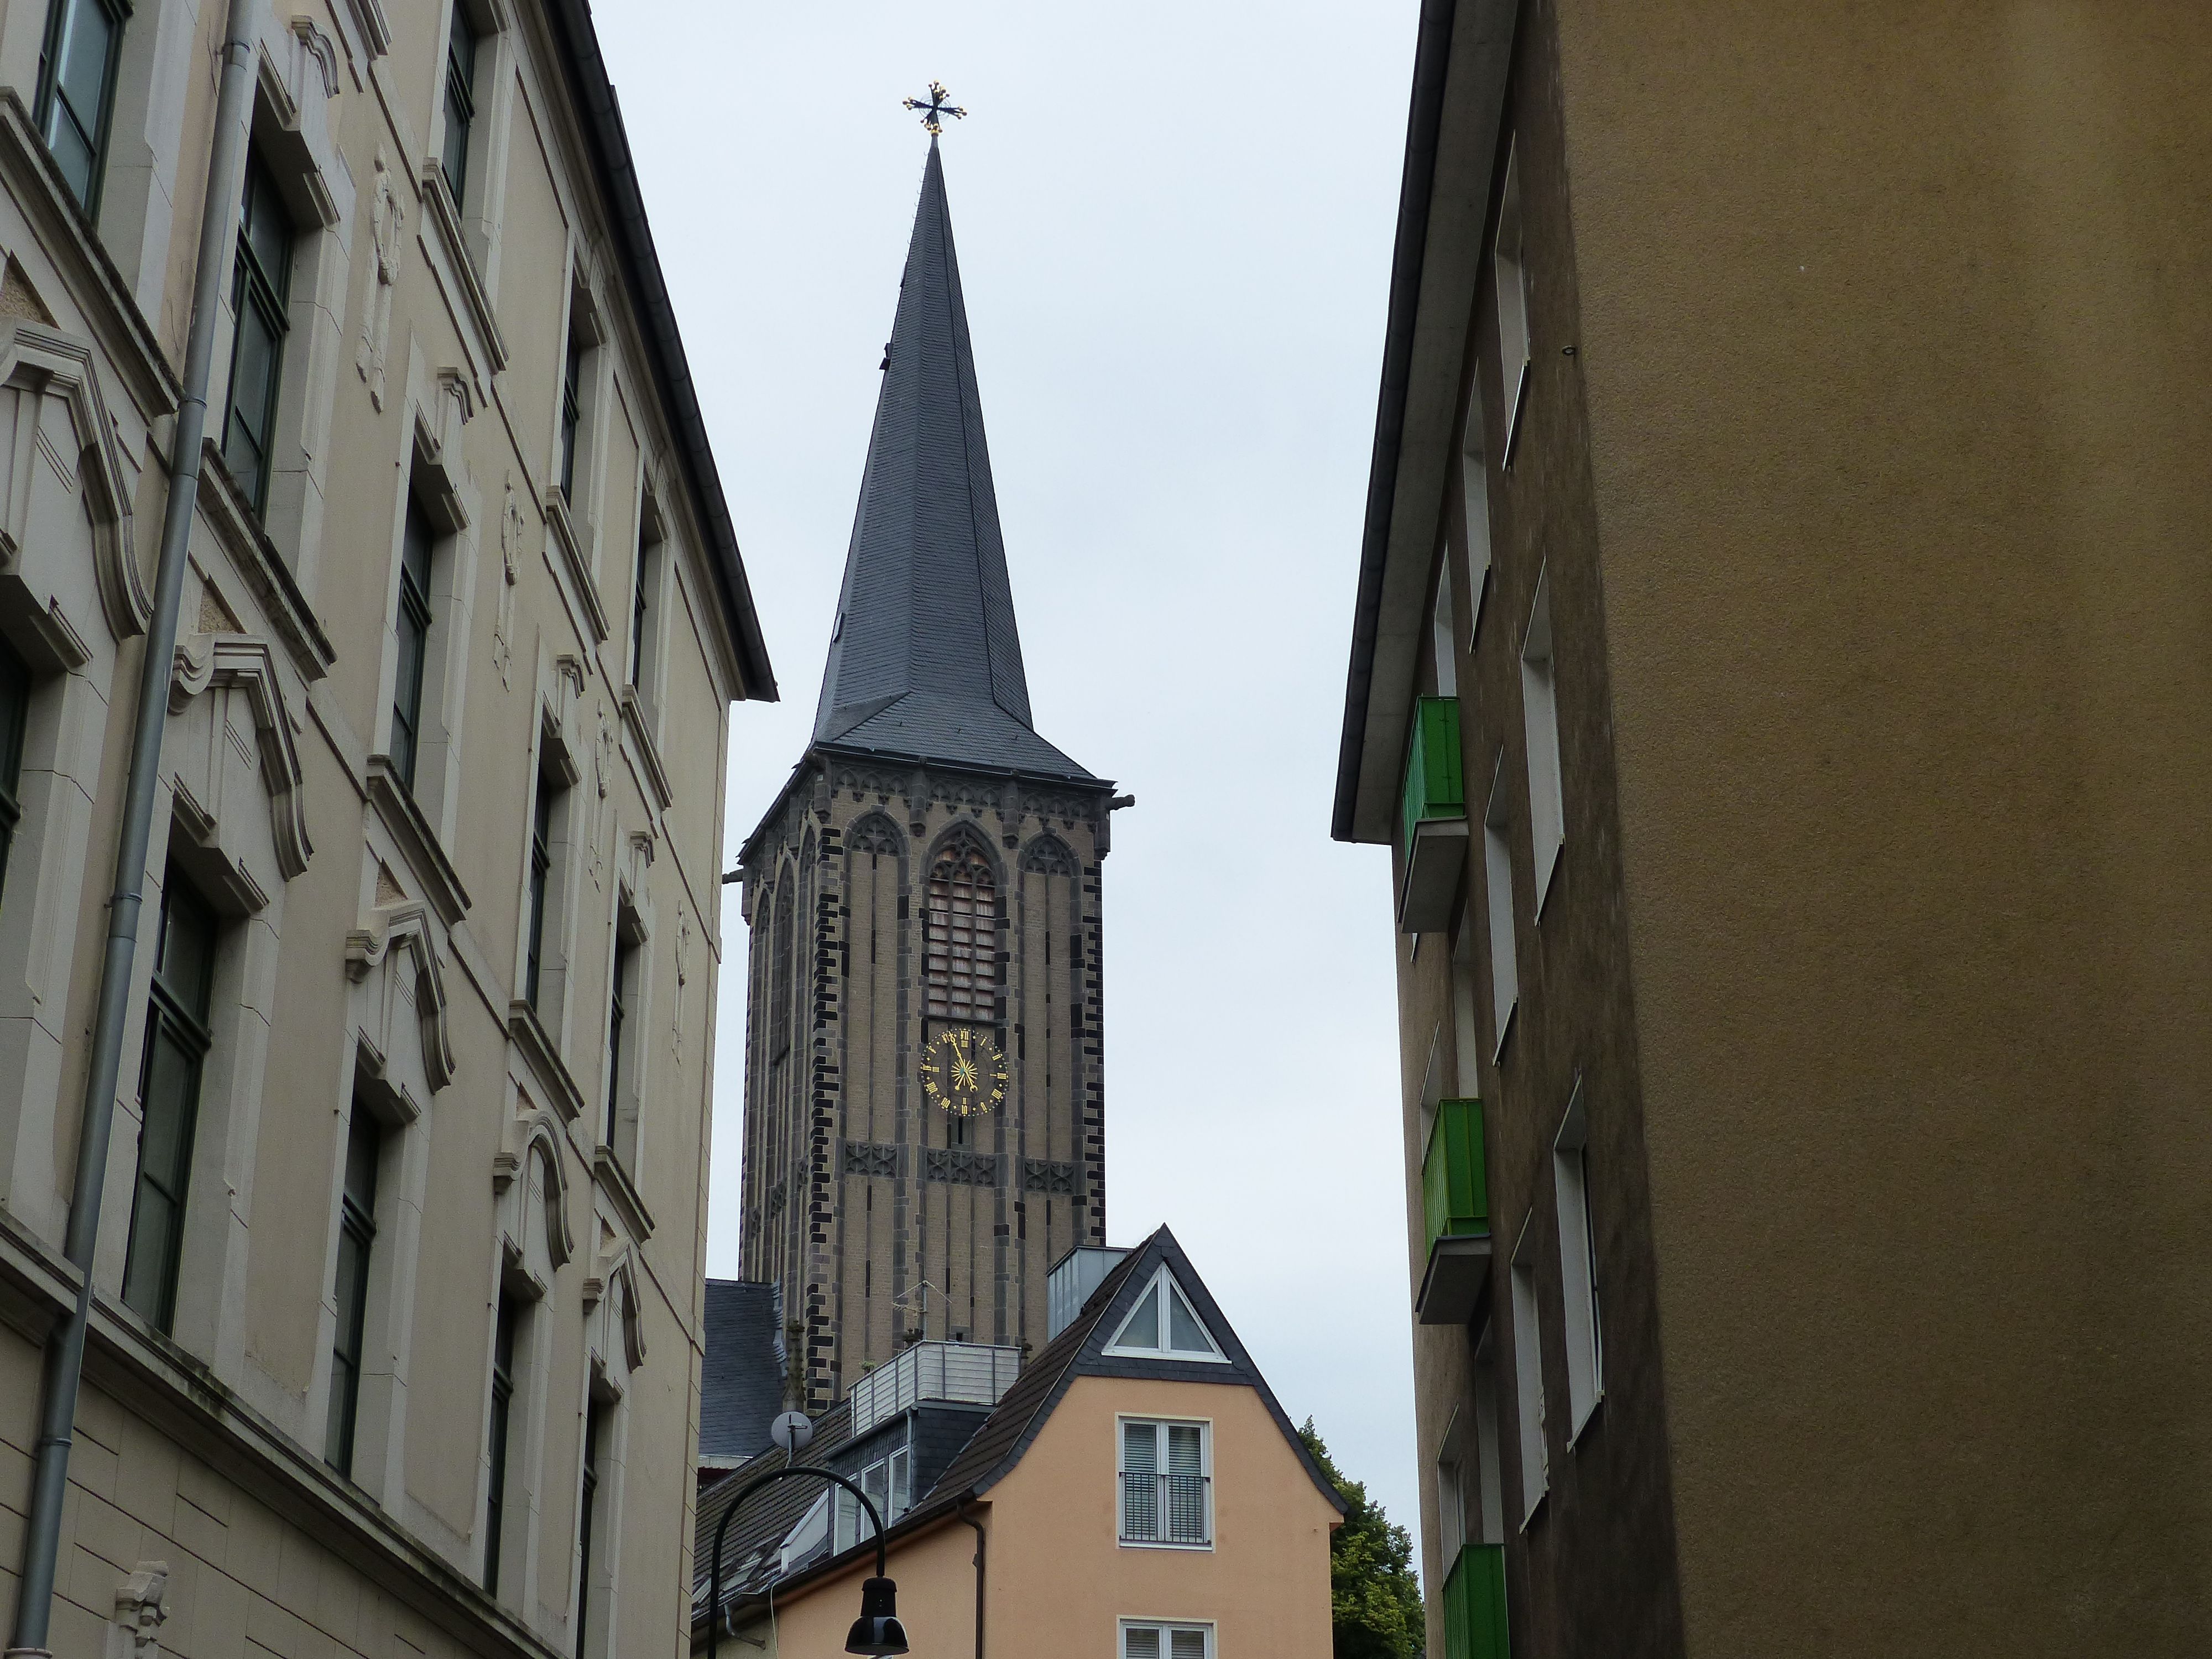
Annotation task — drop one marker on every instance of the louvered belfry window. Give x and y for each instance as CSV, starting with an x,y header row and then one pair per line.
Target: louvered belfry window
x,y
962,935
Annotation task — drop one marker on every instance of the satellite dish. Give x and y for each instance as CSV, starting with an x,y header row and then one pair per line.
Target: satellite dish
x,y
792,1431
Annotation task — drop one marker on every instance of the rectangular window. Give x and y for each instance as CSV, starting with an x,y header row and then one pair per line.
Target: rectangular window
x,y
549,791
357,1235
1528,1379
260,295
1540,715
460,101
1474,498
640,611
15,720
1150,1641
572,414
502,1407
1451,1509
1466,1031
1166,1484
1512,274
1577,1267
594,1419
1441,629
177,1040
77,90
416,543
1498,886
1484,1504
618,1014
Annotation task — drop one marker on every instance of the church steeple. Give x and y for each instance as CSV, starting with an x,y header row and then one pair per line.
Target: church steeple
x,y
925,658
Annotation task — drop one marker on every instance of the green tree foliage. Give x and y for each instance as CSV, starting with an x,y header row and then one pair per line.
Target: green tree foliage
x,y
1375,1600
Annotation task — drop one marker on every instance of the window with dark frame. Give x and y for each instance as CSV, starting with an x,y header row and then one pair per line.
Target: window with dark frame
x,y
176,1043
356,1237
961,937
572,413
502,1405
417,543
260,294
541,869
76,91
594,1419
460,102
618,1013
641,605
15,720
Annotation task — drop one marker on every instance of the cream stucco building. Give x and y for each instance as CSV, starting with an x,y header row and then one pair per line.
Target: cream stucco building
x,y
393,1340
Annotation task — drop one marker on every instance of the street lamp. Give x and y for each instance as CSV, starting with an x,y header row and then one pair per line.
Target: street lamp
x,y
877,1629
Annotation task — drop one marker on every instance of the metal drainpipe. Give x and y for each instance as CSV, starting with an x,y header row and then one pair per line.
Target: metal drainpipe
x,y
982,1540
65,1356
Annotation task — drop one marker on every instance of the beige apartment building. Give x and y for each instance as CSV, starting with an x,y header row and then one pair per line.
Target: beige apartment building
x,y
1779,673
394,1316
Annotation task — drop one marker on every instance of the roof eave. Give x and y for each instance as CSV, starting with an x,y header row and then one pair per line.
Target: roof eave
x,y
593,92
1464,49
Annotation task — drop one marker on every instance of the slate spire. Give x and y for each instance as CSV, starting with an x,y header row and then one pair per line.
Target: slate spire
x,y
924,659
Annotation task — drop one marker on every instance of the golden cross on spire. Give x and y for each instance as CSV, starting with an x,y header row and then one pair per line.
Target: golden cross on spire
x,y
936,109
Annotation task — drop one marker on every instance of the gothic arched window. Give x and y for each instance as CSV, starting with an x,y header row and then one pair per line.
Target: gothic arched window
x,y
961,934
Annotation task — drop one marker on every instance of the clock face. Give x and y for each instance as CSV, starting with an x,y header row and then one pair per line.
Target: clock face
x,y
964,1070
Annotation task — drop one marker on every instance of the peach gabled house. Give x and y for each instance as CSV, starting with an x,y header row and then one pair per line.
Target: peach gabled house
x,y
1133,1491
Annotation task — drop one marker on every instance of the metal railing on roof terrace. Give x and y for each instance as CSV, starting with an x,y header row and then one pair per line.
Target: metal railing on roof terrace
x,y
969,1372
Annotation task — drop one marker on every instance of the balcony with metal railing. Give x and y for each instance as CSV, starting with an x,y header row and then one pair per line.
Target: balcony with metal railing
x,y
1167,1509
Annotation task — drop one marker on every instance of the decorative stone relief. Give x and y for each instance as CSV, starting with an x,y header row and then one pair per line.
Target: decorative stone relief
x,y
511,526
864,781
874,833
142,1607
959,1166
1049,856
405,927
56,435
244,662
864,1157
1045,1175
387,223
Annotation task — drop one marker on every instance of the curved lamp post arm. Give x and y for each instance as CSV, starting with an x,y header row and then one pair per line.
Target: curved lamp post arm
x,y
722,1528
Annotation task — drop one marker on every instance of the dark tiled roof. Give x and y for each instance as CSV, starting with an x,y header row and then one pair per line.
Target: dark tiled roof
x,y
1007,1431
754,1541
925,613
741,1379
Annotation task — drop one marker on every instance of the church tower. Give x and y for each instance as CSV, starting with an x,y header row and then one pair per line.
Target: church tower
x,y
924,1102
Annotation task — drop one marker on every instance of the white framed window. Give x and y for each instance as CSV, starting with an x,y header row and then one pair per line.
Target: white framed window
x,y
1166,1483
889,1483
1511,271
1498,886
1441,629
1540,715
1163,1326
1153,1638
1474,502
1451,1500
1485,1501
809,1535
1529,1378
1578,1321
1466,1028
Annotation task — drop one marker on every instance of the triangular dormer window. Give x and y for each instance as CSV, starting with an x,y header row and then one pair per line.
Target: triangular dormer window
x,y
1163,1326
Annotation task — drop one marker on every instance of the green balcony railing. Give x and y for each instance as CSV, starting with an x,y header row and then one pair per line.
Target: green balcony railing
x,y
1434,788
1455,1185
1474,1605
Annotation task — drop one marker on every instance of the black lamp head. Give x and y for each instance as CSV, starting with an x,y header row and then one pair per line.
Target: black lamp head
x,y
877,1631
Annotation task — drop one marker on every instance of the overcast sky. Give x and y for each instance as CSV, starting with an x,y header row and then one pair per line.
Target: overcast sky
x,y
1173,221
